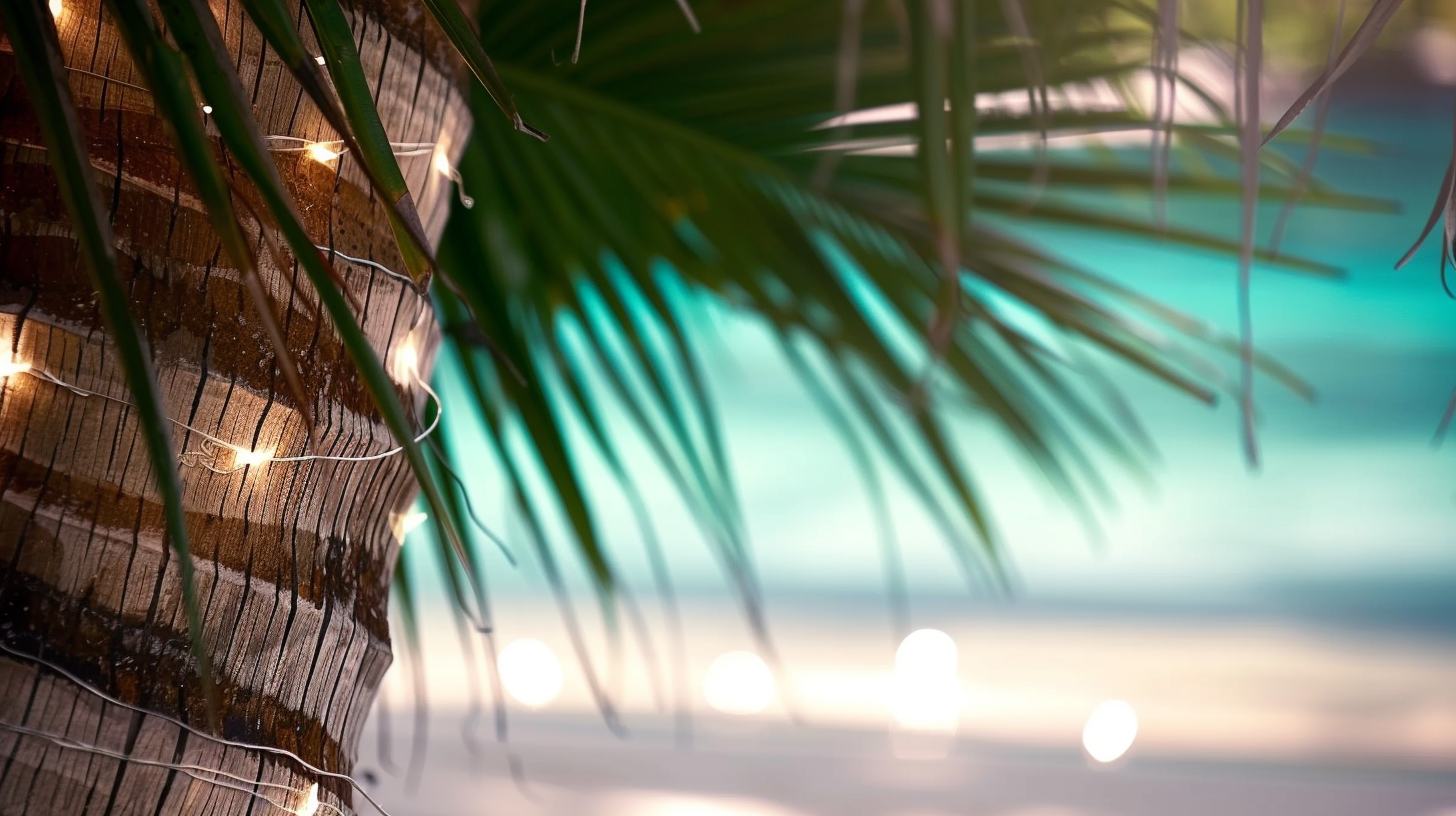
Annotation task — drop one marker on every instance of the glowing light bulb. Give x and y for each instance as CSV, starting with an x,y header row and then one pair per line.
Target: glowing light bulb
x,y
321,153
403,525
406,361
310,804
1110,730
442,163
739,683
207,110
242,457
10,366
57,6
530,672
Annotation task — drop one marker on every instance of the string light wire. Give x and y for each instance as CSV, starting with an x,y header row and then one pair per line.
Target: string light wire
x,y
105,78
408,356
247,746
210,451
444,168
365,262
326,151
197,772
296,144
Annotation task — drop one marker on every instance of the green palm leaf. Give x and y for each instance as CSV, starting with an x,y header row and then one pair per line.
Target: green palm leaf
x,y
685,167
341,59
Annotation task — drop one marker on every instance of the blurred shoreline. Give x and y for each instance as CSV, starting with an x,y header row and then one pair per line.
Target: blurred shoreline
x,y
1224,684
1242,714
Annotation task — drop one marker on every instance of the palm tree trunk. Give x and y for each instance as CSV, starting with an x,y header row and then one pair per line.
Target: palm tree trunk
x,y
293,560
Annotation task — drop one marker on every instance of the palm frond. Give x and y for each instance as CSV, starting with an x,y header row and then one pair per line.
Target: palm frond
x,y
195,29
1364,37
341,59
1248,90
450,17
684,168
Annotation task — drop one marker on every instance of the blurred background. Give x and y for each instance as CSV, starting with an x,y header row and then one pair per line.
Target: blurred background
x,y
1218,641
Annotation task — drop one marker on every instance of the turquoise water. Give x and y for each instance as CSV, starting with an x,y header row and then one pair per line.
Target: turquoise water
x,y
1351,492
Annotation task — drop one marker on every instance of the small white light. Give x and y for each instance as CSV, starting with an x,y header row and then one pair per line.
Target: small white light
x,y
409,359
739,683
1110,730
321,153
242,457
406,367
207,110
11,366
403,525
443,167
56,8
310,802
319,60
530,672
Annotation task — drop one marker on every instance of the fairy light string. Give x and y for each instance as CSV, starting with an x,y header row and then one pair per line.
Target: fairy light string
x,y
209,456
328,151
308,800
213,453
324,151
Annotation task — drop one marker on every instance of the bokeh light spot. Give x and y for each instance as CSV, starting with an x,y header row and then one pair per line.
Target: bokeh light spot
x,y
1110,730
924,692
739,683
927,653
530,672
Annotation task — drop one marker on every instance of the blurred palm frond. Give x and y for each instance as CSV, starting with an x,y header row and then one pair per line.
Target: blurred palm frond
x,y
689,168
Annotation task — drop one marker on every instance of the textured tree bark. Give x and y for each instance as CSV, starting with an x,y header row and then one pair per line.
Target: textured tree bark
x,y
293,559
